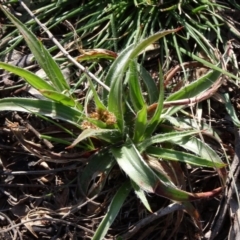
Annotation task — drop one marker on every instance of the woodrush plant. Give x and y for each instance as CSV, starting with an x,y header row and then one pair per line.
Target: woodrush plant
x,y
130,125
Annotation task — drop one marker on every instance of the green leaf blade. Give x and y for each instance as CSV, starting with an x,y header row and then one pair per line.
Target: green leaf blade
x,y
113,210
116,73
136,95
140,124
45,107
156,118
198,147
43,57
31,78
170,154
58,97
166,137
98,133
141,195
131,162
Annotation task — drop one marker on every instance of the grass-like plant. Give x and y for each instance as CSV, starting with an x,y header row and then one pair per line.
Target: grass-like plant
x,y
114,24
132,125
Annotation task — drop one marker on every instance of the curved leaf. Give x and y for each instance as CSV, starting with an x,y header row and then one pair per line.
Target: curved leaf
x,y
153,92
156,118
45,107
58,97
188,123
113,210
198,147
196,87
132,163
135,90
231,111
31,78
170,154
140,124
42,56
98,133
165,137
208,64
141,195
122,62
97,53
117,70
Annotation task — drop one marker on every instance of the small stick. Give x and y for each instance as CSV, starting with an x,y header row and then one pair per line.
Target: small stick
x,y
14,228
33,130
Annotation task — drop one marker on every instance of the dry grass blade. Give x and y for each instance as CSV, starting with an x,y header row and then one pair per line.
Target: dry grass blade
x,y
14,228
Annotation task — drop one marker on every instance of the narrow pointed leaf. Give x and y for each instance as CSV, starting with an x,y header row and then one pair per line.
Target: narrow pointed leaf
x,y
121,64
58,97
45,107
196,87
97,101
30,77
156,118
91,133
97,54
115,104
42,56
170,154
140,124
113,210
208,64
117,70
132,163
198,147
166,137
231,111
141,195
153,92
188,123
135,90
